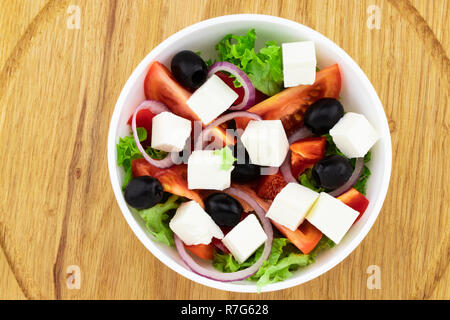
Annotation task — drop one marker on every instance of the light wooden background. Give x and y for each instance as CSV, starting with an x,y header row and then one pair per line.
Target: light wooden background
x,y
58,88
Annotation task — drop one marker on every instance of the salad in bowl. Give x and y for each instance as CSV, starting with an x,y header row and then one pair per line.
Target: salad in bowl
x,y
243,160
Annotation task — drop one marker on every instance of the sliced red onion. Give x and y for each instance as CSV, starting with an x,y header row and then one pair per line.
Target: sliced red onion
x,y
301,133
359,165
249,90
238,275
155,107
227,117
285,168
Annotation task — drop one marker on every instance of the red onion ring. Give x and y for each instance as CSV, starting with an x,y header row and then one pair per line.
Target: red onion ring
x,y
238,275
155,107
359,165
285,168
238,114
249,90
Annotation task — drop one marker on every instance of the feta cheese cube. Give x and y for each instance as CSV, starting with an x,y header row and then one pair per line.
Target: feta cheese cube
x,y
291,205
245,238
299,63
205,172
266,142
354,135
211,99
331,216
193,225
170,132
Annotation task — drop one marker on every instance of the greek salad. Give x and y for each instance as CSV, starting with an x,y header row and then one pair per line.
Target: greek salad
x,y
249,161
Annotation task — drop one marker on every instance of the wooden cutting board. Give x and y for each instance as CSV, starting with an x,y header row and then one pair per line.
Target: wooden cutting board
x,y
58,88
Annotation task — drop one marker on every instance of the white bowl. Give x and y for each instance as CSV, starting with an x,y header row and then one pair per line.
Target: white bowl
x,y
357,95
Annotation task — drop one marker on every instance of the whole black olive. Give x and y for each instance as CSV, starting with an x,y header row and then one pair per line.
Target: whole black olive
x,y
323,114
244,170
332,172
223,209
143,192
189,69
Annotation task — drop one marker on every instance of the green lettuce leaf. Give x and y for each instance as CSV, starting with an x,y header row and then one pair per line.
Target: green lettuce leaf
x,y
264,68
227,158
283,259
157,219
127,151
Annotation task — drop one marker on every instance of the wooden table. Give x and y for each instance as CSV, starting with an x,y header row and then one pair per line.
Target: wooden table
x,y
58,88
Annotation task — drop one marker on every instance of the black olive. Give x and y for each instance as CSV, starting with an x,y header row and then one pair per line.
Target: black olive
x,y
189,69
143,192
332,172
244,170
223,209
323,114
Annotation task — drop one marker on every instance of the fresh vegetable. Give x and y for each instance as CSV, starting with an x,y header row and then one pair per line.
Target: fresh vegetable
x,y
305,238
249,90
355,200
323,114
305,153
227,158
290,105
278,267
223,209
160,85
332,172
270,185
204,251
263,68
173,180
189,69
157,219
155,107
144,120
359,164
306,179
143,192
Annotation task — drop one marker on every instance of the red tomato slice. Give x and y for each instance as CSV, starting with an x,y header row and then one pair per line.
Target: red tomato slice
x,y
173,179
270,185
305,153
204,251
144,119
160,85
290,104
305,238
355,200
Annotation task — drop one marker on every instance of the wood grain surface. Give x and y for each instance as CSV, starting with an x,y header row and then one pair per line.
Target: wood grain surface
x,y
58,88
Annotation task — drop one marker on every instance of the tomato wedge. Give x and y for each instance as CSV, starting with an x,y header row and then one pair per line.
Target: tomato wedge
x,y
204,251
270,185
290,104
305,238
144,119
355,200
305,153
173,179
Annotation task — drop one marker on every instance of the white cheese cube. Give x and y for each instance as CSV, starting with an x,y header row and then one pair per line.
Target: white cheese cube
x,y
331,216
205,172
291,205
266,142
211,99
299,63
354,135
193,225
245,238
170,132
